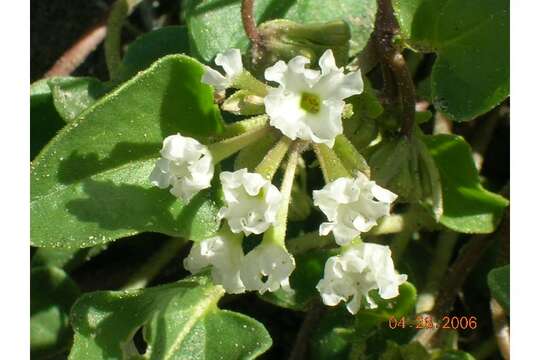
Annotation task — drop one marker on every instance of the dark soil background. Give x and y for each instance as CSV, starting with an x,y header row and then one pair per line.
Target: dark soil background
x,y
55,25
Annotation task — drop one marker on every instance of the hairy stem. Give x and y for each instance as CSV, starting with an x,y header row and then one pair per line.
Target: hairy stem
x,y
385,29
225,148
151,269
75,56
271,161
277,232
250,27
331,166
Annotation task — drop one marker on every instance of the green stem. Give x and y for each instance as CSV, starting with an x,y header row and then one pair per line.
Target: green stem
x,y
330,164
270,163
276,233
225,148
443,254
113,54
151,269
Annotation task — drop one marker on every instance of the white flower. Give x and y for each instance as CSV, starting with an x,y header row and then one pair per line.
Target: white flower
x,y
252,202
267,268
352,206
231,62
308,104
185,164
354,273
224,253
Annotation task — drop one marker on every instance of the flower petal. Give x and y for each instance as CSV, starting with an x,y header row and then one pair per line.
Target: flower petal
x,y
231,62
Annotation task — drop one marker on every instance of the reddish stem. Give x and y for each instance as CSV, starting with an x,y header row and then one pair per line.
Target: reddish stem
x,y
385,29
77,54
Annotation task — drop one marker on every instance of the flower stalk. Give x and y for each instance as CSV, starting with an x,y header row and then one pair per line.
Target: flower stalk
x,y
276,233
225,148
331,166
113,54
271,161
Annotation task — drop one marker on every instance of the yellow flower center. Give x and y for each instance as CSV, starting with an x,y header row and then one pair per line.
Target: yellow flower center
x,y
310,102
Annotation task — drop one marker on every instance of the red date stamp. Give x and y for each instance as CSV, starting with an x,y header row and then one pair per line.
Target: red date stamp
x,y
427,322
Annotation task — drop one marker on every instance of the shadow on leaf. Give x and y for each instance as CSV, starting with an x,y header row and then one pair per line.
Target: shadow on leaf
x,y
133,207
80,166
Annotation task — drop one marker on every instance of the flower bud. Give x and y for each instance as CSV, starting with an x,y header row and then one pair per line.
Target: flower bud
x,y
243,102
284,39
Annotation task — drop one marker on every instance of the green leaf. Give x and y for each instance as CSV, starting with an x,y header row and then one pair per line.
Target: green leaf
x,y
90,185
412,351
179,321
152,46
472,40
499,285
215,26
453,355
52,293
72,95
333,336
397,307
467,206
45,121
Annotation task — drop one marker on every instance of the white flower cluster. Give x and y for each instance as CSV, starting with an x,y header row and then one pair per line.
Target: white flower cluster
x,y
356,271
308,105
252,202
352,206
265,268
185,164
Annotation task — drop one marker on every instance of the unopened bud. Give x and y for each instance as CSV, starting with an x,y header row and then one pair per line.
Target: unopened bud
x,y
243,102
284,39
